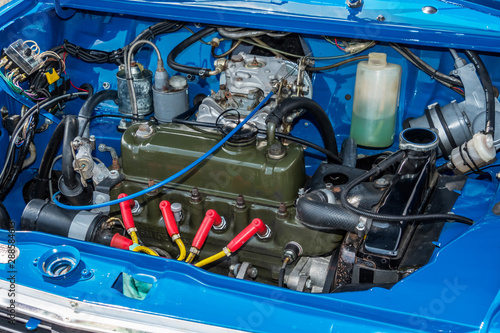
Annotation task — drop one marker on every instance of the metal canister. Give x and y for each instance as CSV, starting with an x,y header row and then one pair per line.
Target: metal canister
x,y
173,102
143,82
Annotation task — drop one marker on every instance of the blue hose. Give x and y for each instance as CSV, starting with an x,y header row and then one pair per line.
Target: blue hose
x,y
173,177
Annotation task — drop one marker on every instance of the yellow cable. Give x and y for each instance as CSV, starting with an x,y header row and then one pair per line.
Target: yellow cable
x,y
190,257
144,249
182,249
133,235
211,259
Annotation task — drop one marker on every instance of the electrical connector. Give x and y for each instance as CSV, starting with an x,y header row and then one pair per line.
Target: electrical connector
x,y
52,76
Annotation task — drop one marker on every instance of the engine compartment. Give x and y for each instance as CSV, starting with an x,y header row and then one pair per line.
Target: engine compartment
x,y
319,231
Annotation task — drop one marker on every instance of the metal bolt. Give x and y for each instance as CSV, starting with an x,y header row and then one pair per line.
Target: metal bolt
x,y
381,183
252,272
99,199
114,174
329,186
106,85
276,151
195,195
282,211
73,304
266,235
381,18
240,202
137,209
144,131
429,10
301,192
151,182
306,124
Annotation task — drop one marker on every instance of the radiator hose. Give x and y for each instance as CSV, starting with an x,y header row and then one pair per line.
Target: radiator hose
x,y
315,212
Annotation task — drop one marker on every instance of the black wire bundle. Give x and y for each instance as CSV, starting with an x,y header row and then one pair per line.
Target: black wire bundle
x,y
17,166
7,169
117,56
446,80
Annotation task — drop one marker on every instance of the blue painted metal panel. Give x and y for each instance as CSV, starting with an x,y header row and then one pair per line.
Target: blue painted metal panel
x,y
452,26
435,298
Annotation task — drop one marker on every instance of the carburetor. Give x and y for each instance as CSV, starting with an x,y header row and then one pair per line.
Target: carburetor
x,y
245,82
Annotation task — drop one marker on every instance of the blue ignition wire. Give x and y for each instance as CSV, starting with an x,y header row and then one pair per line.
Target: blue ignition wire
x,y
175,176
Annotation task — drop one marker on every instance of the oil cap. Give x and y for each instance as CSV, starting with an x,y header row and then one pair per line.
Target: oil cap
x,y
246,136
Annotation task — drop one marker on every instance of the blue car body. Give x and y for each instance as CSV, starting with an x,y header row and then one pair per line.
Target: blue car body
x,y
456,291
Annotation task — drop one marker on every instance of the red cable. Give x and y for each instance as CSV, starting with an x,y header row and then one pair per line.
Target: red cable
x,y
211,218
125,208
77,87
255,227
169,218
338,45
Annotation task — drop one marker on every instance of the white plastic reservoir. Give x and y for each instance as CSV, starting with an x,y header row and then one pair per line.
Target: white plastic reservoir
x,y
376,98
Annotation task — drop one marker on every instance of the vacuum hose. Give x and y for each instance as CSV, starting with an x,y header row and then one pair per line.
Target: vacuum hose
x,y
324,124
90,104
203,72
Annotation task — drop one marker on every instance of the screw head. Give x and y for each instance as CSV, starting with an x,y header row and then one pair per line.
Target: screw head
x,y
99,199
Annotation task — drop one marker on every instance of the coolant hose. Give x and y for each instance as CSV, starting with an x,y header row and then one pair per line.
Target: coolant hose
x,y
488,90
324,124
324,216
90,104
70,132
203,72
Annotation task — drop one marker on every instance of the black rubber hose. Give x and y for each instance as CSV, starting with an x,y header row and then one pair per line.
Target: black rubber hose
x,y
203,72
377,169
324,216
91,103
325,126
40,187
488,90
70,132
4,217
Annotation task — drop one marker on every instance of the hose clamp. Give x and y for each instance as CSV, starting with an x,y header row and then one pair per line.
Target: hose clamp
x,y
361,227
227,251
194,250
